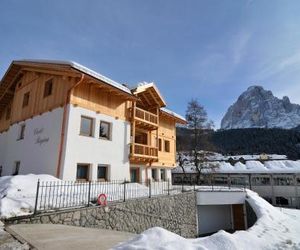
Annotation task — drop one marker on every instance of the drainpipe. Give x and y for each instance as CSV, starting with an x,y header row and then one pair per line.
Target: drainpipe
x,y
63,126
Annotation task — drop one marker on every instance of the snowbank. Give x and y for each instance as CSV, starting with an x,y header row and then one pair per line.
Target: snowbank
x,y
17,193
274,229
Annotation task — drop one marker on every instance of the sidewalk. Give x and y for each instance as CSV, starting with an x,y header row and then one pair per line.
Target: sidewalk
x,y
55,236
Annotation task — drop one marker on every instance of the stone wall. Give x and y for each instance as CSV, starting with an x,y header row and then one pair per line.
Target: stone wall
x,y
176,213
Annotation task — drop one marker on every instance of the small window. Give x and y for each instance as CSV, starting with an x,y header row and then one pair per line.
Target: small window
x,y
86,126
167,146
105,131
163,174
153,174
48,88
82,172
22,132
17,168
8,111
26,99
159,145
102,174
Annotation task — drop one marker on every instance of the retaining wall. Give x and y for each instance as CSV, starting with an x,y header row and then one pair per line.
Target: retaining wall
x,y
176,213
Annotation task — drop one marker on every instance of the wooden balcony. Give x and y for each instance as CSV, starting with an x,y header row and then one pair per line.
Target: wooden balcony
x,y
144,119
141,152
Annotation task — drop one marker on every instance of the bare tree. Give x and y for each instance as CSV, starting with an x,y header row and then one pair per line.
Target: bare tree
x,y
197,120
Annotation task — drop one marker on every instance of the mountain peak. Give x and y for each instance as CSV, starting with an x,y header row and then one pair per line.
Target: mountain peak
x,y
255,87
259,108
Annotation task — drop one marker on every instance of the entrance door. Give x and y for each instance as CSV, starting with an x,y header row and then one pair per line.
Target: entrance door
x,y
238,217
134,175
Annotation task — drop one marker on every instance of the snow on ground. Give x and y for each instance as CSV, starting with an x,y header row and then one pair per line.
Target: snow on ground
x,y
274,229
17,193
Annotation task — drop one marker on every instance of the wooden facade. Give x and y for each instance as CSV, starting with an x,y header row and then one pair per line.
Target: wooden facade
x,y
32,87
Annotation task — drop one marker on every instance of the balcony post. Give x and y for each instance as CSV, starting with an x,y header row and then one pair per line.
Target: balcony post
x,y
133,127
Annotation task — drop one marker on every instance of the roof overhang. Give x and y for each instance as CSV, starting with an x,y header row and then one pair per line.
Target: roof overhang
x,y
178,118
68,68
149,95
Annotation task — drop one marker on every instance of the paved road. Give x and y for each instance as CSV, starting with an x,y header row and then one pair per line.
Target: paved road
x,y
53,236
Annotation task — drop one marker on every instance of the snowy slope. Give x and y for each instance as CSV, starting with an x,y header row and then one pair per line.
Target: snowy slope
x,y
274,229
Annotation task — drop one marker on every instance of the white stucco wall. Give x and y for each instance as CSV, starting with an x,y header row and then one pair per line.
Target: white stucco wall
x,y
93,150
38,151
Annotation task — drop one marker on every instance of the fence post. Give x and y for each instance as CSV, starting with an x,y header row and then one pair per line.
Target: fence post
x,y
36,196
149,181
168,186
89,193
124,198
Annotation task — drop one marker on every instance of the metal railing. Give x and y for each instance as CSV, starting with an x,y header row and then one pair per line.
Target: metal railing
x,y
144,150
56,195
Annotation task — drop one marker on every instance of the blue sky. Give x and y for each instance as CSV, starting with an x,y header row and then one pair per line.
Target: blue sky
x,y
211,50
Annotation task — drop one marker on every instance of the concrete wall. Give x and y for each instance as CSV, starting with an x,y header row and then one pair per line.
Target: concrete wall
x,y
93,150
176,213
38,151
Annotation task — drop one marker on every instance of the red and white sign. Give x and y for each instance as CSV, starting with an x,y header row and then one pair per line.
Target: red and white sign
x,y
102,200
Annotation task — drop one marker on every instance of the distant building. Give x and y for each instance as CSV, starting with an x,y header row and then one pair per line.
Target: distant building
x,y
63,119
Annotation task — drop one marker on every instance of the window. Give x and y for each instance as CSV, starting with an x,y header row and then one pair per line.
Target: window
x,y
134,175
26,99
153,174
283,181
48,88
102,174
167,146
163,174
159,144
8,111
86,126
261,181
82,172
104,131
22,132
17,168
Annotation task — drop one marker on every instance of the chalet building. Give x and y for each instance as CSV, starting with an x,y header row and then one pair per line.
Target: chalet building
x,y
63,119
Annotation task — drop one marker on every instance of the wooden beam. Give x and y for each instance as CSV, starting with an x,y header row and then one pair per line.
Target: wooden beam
x,y
51,72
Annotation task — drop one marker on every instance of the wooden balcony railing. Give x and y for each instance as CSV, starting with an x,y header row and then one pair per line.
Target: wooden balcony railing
x,y
145,116
143,151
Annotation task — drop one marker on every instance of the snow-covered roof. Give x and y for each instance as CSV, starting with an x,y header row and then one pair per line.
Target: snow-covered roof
x,y
173,114
82,69
280,166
